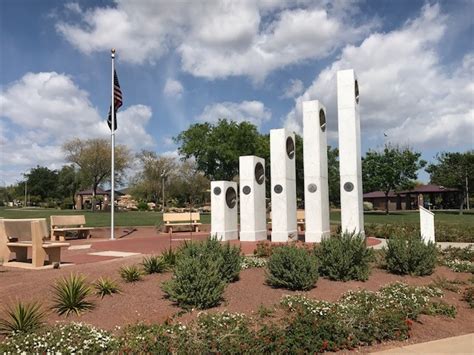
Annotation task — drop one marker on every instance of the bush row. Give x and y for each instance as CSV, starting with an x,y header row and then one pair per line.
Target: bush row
x,y
305,326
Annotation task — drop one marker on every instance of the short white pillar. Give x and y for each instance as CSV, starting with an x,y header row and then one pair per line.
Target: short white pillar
x,y
427,228
253,212
224,210
350,165
283,182
316,195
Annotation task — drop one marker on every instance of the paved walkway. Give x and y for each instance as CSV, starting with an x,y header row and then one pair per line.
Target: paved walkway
x,y
463,344
443,245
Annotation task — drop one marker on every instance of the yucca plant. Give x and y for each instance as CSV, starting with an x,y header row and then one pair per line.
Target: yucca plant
x,y
70,295
130,273
22,317
105,286
169,257
154,265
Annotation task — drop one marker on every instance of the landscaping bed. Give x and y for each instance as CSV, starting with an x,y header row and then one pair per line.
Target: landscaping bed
x,y
145,301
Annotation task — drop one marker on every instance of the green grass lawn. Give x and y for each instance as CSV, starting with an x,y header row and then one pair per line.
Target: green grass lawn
x,y
140,218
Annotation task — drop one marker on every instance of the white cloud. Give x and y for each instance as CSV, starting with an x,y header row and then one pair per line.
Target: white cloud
x,y
253,111
295,87
41,111
404,89
173,88
217,39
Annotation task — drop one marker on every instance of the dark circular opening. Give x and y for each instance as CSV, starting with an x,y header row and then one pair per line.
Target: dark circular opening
x,y
231,197
356,89
312,188
246,190
290,147
259,173
217,191
278,189
322,120
348,186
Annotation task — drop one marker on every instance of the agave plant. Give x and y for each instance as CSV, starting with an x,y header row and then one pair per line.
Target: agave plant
x,y
154,265
130,273
105,286
70,295
169,257
22,317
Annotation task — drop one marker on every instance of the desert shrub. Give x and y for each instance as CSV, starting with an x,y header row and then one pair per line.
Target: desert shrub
x,y
154,265
106,287
130,273
410,255
145,339
22,318
70,295
263,250
253,262
142,206
344,257
71,338
445,284
292,268
458,259
468,296
232,262
197,282
169,257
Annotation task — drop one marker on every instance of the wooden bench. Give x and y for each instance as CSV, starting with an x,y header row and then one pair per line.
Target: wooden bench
x,y
300,221
181,219
60,225
17,235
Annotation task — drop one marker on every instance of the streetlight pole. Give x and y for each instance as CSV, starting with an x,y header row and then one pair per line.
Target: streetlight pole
x,y
163,177
26,190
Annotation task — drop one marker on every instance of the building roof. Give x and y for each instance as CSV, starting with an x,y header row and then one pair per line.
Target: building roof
x,y
378,194
422,189
89,192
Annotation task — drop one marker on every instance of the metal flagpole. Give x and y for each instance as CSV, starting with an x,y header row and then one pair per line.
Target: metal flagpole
x,y
112,175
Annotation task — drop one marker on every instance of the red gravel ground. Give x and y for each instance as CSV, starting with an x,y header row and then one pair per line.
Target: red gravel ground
x,y
144,301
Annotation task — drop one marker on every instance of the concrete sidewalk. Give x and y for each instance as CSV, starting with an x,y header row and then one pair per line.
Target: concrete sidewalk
x,y
443,245
463,344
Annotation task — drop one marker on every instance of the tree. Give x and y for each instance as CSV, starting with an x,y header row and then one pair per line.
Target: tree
x,y
393,169
92,156
68,182
42,183
454,170
188,185
216,148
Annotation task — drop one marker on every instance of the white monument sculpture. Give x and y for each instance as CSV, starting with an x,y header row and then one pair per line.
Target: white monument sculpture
x,y
316,195
253,212
283,179
224,210
427,228
352,211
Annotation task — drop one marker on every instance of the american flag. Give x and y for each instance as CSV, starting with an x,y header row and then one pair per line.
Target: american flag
x,y
117,102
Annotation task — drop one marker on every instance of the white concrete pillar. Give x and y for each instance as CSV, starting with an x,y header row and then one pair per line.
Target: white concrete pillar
x,y
350,165
316,194
253,212
224,210
427,228
283,179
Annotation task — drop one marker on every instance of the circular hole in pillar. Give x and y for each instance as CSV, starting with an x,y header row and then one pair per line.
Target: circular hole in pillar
x,y
312,188
348,186
231,197
278,189
290,147
356,90
259,173
217,191
246,190
322,120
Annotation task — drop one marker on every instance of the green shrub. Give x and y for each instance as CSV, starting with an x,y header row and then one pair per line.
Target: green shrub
x,y
263,249
169,257
410,255
22,318
70,295
130,273
232,262
145,339
154,265
458,259
468,296
142,206
105,287
197,281
344,257
71,338
292,268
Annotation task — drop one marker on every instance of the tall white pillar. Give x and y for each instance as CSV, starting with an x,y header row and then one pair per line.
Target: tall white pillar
x,y
283,179
224,210
253,212
316,195
427,228
350,165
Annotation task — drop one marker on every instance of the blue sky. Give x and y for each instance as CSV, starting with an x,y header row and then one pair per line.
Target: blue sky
x,y
191,61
